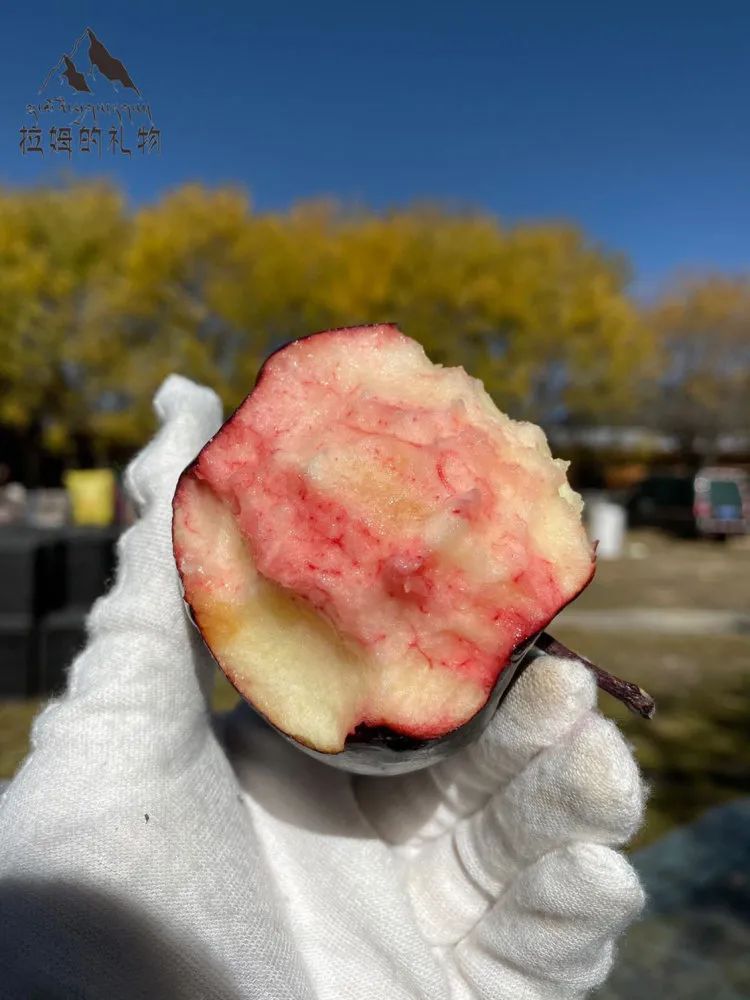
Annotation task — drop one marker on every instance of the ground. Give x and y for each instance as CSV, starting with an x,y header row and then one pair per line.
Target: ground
x,y
694,753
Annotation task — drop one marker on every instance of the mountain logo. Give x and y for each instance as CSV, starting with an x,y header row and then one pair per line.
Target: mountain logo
x,y
95,85
100,61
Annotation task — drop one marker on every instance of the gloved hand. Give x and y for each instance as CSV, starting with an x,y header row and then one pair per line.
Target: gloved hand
x,y
145,852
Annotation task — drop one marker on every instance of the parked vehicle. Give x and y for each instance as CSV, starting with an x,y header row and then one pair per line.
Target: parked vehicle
x,y
712,503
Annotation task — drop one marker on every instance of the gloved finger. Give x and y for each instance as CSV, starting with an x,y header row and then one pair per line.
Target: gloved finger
x,y
552,933
546,702
189,414
584,789
140,643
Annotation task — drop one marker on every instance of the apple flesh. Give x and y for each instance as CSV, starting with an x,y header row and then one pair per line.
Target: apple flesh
x,y
368,546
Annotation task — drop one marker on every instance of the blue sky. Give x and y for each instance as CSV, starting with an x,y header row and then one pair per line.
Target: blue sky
x,y
632,119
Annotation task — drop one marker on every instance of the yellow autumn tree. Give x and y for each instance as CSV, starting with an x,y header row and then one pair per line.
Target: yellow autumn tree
x,y
702,389
58,250
97,305
172,304
538,312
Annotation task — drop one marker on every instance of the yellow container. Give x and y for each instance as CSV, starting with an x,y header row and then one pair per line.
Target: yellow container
x,y
92,495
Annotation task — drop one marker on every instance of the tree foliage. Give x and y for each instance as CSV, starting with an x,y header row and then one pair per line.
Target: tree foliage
x,y
98,304
702,333
59,250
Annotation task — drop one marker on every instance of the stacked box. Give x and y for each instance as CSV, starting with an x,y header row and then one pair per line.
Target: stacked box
x,y
48,581
22,595
89,564
85,571
62,636
18,656
19,571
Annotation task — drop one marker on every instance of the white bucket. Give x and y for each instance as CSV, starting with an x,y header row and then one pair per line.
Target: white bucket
x,y
607,524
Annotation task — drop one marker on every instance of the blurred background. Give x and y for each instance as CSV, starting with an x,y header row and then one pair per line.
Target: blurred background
x,y
554,196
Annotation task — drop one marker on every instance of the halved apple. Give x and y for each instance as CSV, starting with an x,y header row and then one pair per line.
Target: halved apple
x,y
368,541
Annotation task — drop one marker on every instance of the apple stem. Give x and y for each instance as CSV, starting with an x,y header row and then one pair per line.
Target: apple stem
x,y
635,698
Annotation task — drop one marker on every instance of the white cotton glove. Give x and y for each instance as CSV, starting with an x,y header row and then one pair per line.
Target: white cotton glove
x,y
139,858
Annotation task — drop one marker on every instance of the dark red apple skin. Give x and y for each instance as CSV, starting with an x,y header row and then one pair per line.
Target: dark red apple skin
x,y
382,751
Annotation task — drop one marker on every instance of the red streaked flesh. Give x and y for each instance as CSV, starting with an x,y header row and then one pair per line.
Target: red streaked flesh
x,y
368,539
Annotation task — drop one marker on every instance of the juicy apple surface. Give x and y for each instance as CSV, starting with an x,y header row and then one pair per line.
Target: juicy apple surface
x,y
368,539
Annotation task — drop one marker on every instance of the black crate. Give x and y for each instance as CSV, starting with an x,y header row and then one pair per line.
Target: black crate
x,y
50,585
19,561
89,563
61,637
18,656
31,571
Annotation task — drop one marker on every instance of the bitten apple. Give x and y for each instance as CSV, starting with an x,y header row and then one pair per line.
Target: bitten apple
x,y
368,538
